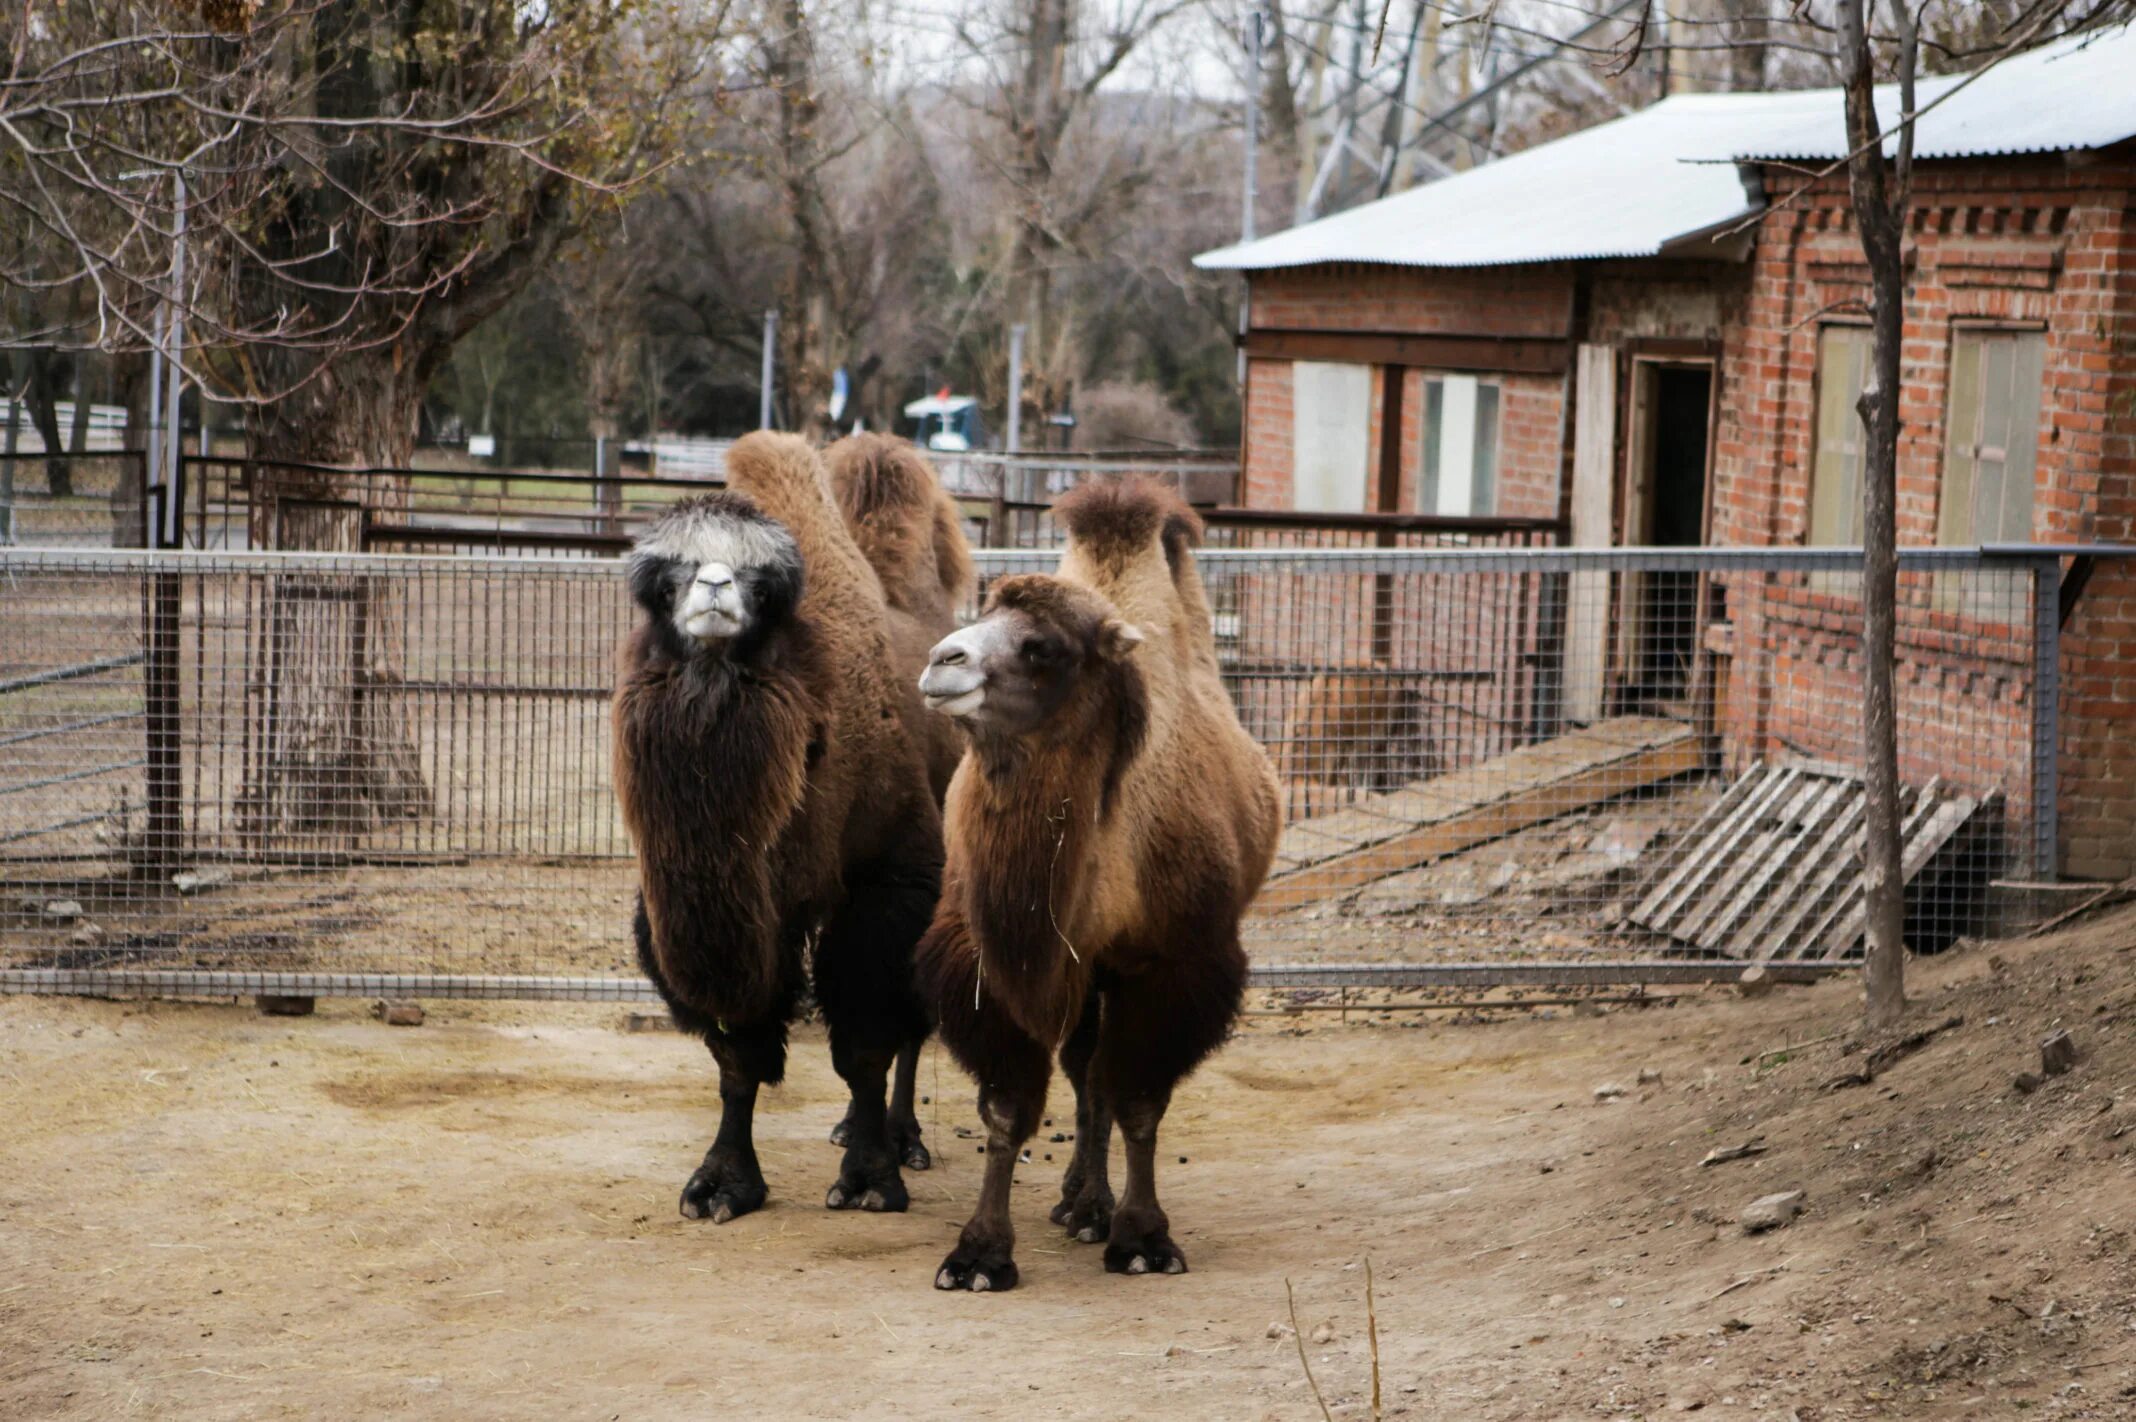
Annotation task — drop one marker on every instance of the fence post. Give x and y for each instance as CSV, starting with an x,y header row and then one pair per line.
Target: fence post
x,y
165,786
2046,712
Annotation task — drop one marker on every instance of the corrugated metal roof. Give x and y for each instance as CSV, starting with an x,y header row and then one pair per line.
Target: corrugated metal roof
x,y
1663,179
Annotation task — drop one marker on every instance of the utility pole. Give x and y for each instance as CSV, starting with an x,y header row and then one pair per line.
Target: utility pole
x,y
1255,20
1256,25
174,387
771,358
1016,340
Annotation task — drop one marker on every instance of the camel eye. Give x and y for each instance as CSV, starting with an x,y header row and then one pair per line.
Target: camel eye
x,y
1037,649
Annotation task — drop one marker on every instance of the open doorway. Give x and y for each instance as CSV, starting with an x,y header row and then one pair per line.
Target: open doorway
x,y
1665,506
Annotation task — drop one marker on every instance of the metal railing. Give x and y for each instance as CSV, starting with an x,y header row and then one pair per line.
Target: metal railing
x,y
370,767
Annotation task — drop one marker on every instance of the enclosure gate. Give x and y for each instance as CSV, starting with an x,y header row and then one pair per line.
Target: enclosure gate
x,y
227,774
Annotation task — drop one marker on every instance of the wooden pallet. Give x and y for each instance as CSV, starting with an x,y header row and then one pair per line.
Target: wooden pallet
x,y
1421,822
1774,869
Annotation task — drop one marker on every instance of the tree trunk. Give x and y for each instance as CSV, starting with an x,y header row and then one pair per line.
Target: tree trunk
x,y
42,397
334,757
1880,193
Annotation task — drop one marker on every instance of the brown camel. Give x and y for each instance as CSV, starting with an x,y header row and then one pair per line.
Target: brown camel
x,y
1104,835
909,530
776,800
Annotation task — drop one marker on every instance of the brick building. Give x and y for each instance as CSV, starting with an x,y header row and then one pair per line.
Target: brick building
x,y
1654,331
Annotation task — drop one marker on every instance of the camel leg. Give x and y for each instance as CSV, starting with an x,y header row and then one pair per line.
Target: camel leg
x,y
863,981
1086,1193
1013,1069
1157,1027
730,1182
904,1121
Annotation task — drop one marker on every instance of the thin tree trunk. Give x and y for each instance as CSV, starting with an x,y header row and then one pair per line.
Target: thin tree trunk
x,y
1880,193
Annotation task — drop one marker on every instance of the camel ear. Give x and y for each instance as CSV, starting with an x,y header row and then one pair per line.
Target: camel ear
x,y
1116,639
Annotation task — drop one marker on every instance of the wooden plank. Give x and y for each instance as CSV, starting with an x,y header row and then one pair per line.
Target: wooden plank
x,y
1426,843
1737,901
1700,838
1833,863
1594,459
1831,803
1385,815
1738,859
1927,830
1715,850
1850,903
1527,355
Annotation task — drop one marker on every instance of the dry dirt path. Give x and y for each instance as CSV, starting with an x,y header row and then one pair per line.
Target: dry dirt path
x,y
208,1214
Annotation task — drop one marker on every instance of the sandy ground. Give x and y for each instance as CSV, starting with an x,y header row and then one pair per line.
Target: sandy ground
x,y
205,1214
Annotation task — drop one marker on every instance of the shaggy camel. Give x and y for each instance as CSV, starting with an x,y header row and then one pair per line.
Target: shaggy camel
x,y
910,532
775,798
1104,835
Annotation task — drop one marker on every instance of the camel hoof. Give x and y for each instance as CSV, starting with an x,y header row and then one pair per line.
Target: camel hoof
x,y
841,1133
916,1156
720,1192
1088,1234
887,1198
980,1269
1138,1265
1152,1254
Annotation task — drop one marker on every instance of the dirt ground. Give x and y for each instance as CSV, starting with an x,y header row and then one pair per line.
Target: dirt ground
x,y
205,1214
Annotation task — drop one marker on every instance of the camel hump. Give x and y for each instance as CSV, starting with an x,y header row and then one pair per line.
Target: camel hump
x,y
1114,519
906,526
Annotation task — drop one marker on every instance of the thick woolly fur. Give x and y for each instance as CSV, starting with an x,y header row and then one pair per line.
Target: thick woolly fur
x,y
1101,856
768,779
909,531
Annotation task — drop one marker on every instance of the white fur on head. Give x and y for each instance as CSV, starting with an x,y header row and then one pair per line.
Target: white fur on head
x,y
699,534
954,682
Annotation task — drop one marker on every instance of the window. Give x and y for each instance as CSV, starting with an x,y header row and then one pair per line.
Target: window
x,y
1836,478
1460,446
1992,436
1331,424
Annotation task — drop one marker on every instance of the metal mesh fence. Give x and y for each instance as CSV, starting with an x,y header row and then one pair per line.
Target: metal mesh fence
x,y
282,763
73,500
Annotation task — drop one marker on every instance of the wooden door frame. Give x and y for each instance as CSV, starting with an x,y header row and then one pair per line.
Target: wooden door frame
x,y
1635,508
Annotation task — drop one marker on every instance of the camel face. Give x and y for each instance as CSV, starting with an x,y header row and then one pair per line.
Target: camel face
x,y
716,574
1010,672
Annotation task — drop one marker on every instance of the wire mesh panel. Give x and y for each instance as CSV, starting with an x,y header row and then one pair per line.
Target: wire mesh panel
x,y
91,500
369,764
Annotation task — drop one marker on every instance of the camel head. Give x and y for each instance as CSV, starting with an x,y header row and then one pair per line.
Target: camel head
x,y
1039,639
716,575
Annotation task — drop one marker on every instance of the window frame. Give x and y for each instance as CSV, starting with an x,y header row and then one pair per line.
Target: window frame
x,y
1982,334
1489,483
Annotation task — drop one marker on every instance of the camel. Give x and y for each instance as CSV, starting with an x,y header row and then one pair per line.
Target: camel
x,y
1352,732
776,799
1104,834
909,530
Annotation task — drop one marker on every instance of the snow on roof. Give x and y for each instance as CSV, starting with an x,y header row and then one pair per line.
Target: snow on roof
x,y
1664,179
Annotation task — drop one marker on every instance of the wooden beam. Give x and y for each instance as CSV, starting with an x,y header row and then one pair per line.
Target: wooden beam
x,y
1493,820
1517,355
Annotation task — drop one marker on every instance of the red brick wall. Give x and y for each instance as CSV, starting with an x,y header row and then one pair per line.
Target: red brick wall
x,y
1495,301
2025,241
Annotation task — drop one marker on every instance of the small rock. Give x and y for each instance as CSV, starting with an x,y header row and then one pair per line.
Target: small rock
x,y
1325,1333
278,1004
1057,1137
63,910
1772,1211
1545,1167
192,881
1609,1091
1175,1351
1280,1330
401,1014
1616,1303
86,936
1558,1300
2057,1054
1754,981
1649,1076
2028,1082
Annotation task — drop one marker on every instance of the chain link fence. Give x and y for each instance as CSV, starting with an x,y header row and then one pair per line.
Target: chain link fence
x,y
241,772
